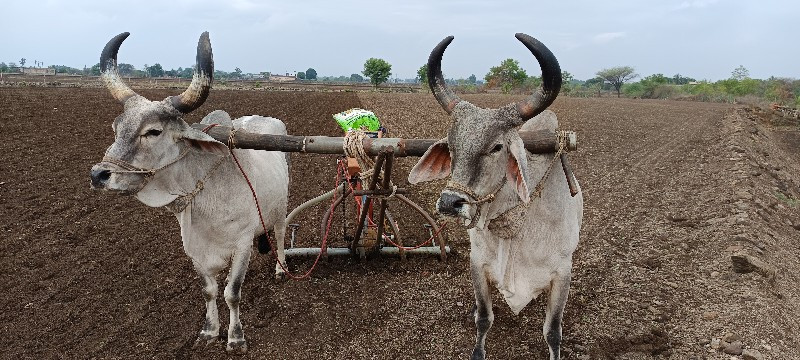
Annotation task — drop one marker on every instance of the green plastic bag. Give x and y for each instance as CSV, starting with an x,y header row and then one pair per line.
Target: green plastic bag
x,y
356,119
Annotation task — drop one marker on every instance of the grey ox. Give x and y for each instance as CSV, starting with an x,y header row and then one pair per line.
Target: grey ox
x,y
162,161
521,238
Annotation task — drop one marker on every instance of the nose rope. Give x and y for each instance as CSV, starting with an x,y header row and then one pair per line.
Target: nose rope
x,y
131,169
452,185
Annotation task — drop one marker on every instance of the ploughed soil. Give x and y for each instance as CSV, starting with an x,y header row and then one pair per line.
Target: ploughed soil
x,y
672,191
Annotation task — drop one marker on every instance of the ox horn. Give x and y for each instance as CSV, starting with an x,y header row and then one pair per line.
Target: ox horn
x,y
109,72
551,79
198,90
446,97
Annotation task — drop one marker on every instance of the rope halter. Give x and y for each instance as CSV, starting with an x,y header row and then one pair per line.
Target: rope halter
x,y
129,168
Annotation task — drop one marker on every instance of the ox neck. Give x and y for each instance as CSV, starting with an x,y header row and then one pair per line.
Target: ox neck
x,y
179,180
505,199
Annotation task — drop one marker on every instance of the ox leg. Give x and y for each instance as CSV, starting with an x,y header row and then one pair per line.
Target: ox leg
x,y
484,316
559,289
233,296
210,331
280,234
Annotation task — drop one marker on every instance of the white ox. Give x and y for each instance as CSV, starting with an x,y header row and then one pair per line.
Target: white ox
x,y
162,161
519,241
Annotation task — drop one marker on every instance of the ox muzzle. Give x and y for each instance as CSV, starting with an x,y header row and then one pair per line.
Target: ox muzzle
x,y
108,177
455,204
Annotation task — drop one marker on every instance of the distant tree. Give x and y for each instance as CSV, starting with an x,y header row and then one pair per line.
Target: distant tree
x,y
677,79
472,79
63,69
654,86
156,70
301,75
566,82
507,75
566,77
95,70
22,62
595,84
125,69
617,76
311,74
237,72
219,74
740,73
146,69
422,75
356,78
187,72
3,67
377,70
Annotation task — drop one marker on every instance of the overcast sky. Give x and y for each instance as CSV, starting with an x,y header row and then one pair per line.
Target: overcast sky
x,y
703,39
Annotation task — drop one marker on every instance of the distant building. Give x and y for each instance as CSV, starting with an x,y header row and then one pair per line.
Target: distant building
x,y
38,71
282,78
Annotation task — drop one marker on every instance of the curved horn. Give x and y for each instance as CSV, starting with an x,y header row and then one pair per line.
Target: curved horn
x,y
198,90
551,79
445,96
109,72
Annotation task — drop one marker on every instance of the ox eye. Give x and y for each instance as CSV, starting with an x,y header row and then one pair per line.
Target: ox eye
x,y
497,148
152,132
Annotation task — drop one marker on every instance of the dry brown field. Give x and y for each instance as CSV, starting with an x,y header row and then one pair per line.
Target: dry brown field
x,y
672,190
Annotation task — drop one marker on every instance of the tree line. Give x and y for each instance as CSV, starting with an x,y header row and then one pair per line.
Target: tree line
x,y
509,77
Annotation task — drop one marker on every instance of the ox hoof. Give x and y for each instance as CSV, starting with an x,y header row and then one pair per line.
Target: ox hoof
x,y
204,340
478,354
280,275
238,347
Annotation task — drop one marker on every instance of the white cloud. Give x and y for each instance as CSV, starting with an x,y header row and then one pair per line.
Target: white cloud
x,y
604,38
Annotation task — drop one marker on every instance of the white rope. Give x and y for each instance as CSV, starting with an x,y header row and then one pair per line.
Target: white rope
x,y
354,148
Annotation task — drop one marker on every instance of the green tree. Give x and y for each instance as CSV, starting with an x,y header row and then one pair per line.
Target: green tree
x,y
3,67
301,75
677,79
566,82
311,74
22,62
595,84
377,70
187,72
356,78
422,75
617,76
472,79
740,73
95,70
237,72
507,75
156,70
125,69
566,77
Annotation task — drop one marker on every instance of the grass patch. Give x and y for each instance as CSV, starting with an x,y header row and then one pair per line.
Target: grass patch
x,y
786,199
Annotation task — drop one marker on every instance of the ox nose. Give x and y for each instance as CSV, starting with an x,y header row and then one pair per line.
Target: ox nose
x,y
100,177
450,204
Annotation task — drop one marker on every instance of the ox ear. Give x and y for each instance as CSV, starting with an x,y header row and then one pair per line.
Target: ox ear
x,y
433,165
202,141
517,169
